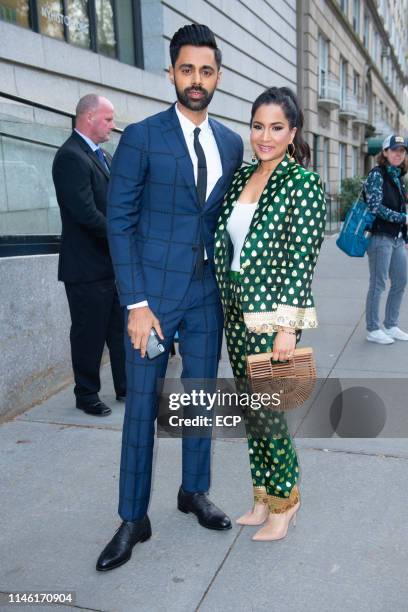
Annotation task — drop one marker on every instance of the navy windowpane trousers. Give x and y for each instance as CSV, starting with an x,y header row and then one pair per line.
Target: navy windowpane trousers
x,y
198,320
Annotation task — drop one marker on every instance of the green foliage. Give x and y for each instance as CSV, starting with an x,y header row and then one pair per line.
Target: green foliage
x,y
349,192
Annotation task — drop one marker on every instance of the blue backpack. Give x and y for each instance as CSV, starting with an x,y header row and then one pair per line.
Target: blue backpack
x,y
355,235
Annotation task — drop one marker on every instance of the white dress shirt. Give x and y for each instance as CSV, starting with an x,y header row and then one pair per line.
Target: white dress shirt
x,y
207,141
212,156
87,140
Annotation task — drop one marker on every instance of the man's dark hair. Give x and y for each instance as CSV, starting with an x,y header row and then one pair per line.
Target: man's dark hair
x,y
196,35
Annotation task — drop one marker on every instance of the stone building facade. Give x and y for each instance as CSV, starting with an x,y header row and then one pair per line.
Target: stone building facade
x,y
52,53
352,75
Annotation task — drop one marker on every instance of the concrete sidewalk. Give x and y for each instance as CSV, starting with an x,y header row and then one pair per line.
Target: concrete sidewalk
x,y
348,553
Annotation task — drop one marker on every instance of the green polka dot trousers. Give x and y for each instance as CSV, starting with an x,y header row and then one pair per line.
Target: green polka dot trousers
x,y
272,456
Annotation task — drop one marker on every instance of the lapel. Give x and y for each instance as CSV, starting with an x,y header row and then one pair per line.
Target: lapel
x,y
173,135
272,191
226,162
87,149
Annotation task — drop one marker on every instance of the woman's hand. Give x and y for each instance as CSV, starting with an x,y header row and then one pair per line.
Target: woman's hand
x,y
284,344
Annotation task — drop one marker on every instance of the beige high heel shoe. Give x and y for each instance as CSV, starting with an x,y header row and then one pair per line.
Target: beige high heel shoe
x,y
256,516
277,525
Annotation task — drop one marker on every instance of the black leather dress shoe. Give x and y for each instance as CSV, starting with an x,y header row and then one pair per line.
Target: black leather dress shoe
x,y
121,397
97,408
119,549
207,513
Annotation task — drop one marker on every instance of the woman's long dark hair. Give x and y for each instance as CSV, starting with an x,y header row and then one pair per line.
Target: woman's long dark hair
x,y
287,100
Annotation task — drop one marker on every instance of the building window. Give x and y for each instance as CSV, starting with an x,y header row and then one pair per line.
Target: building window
x,y
321,159
354,162
326,163
77,17
16,12
323,65
374,109
343,81
106,35
50,18
108,27
366,35
344,6
316,153
356,84
376,46
356,16
342,162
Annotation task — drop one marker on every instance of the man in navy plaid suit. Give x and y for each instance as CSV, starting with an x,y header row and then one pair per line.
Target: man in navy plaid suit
x,y
168,178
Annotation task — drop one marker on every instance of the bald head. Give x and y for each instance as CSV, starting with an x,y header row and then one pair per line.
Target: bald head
x,y
94,117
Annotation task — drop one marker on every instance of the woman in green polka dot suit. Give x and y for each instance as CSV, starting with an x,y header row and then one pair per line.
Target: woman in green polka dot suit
x,y
266,246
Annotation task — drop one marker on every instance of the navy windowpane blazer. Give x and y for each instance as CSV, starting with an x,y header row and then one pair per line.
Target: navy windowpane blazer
x,y
155,222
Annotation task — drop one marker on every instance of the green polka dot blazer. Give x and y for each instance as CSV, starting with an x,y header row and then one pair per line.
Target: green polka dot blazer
x,y
280,250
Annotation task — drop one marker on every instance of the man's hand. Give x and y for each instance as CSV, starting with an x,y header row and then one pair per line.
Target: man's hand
x,y
140,322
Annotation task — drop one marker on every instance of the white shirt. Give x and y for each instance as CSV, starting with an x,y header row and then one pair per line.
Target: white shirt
x,y
212,156
237,227
87,140
207,141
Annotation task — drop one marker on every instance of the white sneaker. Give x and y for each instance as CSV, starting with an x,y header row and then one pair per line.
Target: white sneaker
x,y
380,337
396,333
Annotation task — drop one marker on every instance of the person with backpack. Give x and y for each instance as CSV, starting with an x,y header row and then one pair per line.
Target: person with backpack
x,y
386,198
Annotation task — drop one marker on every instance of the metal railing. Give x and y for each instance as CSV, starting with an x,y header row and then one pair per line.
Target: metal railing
x,y
382,127
329,91
362,114
349,106
332,213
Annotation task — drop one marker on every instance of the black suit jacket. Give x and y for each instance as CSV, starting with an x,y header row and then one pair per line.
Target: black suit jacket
x,y
81,184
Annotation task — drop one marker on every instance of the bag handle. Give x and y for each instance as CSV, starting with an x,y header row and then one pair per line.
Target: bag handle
x,y
289,373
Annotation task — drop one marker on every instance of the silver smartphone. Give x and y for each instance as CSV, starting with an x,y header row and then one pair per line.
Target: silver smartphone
x,y
154,346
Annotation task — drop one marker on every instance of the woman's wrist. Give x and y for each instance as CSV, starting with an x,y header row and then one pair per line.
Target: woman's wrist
x,y
288,330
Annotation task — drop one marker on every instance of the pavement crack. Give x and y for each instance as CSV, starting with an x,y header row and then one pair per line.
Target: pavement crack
x,y
351,452
197,608
69,425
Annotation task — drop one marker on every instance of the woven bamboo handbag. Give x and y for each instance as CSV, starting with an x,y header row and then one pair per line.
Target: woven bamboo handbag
x,y
294,379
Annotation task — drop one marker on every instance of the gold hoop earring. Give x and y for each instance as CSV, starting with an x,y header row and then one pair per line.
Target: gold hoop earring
x,y
292,153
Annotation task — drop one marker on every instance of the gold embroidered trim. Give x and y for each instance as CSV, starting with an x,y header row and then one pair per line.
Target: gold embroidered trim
x,y
284,316
260,495
278,505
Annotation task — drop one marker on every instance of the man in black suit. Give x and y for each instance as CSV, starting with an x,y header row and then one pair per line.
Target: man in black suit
x,y
81,174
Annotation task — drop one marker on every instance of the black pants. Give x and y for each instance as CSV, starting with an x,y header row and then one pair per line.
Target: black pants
x,y
96,318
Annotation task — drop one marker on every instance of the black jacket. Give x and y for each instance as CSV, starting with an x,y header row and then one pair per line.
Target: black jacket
x,y
81,183
392,199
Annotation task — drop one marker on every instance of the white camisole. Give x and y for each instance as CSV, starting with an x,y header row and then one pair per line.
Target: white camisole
x,y
237,227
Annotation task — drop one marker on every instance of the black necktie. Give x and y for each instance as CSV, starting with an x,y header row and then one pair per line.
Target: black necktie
x,y
201,169
102,158
201,193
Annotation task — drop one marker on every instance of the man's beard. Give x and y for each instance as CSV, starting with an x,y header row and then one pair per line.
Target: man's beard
x,y
194,105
